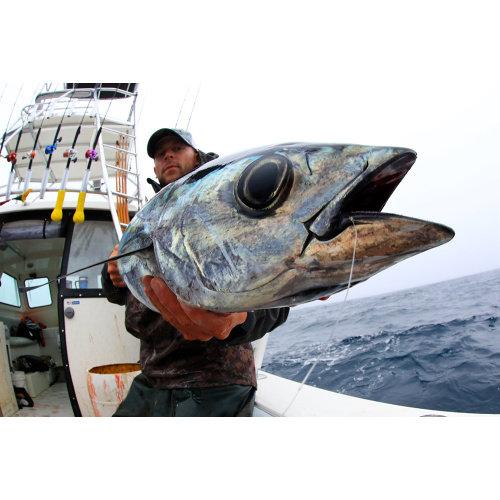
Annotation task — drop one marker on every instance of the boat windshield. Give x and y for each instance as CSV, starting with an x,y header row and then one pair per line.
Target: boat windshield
x,y
92,242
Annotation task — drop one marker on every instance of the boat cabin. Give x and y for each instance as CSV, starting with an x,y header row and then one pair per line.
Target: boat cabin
x,y
45,235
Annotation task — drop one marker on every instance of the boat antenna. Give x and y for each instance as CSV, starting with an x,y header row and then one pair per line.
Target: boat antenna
x,y
182,106
339,317
50,151
194,104
71,154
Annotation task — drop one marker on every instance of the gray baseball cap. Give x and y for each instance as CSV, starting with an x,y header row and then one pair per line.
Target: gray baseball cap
x,y
165,132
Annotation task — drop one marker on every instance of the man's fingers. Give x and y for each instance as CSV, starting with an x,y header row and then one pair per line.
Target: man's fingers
x,y
113,271
163,299
192,322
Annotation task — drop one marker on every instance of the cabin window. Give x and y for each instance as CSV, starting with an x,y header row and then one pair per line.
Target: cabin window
x,y
9,291
92,242
41,296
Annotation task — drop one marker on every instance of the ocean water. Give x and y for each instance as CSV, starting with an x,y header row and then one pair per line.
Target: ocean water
x,y
434,347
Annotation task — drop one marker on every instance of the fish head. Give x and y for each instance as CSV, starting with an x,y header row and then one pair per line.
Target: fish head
x,y
276,226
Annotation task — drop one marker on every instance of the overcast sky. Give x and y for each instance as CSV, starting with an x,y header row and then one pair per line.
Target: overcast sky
x,y
424,76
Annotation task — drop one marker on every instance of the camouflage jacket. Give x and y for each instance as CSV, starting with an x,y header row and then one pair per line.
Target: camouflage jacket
x,y
171,362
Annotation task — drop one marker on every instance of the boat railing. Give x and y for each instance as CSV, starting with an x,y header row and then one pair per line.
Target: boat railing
x,y
114,148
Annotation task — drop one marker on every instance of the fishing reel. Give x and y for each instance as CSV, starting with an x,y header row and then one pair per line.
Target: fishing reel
x,y
91,154
29,155
71,153
50,149
12,157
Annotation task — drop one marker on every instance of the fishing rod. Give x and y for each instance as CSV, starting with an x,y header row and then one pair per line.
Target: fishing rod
x,y
12,158
194,104
91,155
50,151
8,121
32,154
182,106
23,289
3,92
21,197
71,155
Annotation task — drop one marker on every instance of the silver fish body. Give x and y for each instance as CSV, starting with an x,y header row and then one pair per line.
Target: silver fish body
x,y
275,226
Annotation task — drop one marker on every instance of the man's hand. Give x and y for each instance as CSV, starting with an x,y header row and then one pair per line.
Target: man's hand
x,y
193,323
113,272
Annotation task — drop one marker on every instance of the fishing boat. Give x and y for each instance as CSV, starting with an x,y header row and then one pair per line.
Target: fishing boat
x,y
74,184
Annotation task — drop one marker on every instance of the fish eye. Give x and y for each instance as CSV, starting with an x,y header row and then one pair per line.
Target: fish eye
x,y
264,185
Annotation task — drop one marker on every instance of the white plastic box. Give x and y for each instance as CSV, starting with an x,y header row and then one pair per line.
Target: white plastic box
x,y
36,382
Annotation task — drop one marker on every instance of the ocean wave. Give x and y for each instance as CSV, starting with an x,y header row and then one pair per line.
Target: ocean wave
x,y
412,357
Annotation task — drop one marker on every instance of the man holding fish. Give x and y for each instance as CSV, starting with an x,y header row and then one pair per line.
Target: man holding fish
x,y
194,362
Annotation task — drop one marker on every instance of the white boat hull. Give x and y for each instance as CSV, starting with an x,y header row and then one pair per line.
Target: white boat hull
x,y
275,395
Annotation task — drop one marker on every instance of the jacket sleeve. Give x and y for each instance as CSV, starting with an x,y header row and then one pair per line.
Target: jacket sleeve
x,y
114,294
257,324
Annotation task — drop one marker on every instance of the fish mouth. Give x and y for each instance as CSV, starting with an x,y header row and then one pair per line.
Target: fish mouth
x,y
361,203
373,192
369,243
367,194
350,239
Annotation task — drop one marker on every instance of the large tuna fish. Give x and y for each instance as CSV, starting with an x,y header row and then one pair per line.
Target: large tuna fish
x,y
275,226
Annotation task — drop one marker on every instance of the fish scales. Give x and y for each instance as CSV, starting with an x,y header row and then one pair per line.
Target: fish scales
x,y
275,226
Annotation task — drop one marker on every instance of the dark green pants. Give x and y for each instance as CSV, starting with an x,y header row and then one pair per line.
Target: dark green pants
x,y
226,401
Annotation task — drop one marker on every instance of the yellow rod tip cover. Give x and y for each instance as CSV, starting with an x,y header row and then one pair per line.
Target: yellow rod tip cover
x,y
79,216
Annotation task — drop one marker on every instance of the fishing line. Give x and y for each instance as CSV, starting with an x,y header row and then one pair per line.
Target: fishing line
x,y
339,317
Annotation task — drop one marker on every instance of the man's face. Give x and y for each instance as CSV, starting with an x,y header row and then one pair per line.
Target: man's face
x,y
173,159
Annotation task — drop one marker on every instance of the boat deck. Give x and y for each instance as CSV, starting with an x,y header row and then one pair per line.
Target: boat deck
x,y
53,402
